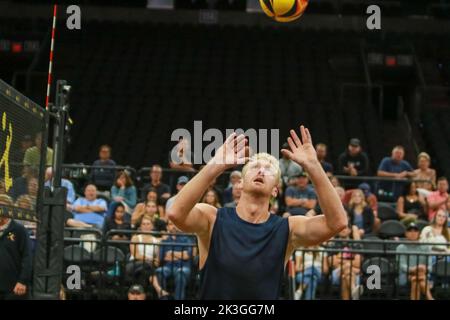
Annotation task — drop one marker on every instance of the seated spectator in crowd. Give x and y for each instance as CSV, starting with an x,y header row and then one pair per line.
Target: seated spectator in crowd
x,y
437,232
64,183
123,191
346,265
143,250
103,177
150,209
179,156
181,182
289,169
397,168
211,198
32,156
353,162
411,205
309,266
235,176
16,258
89,209
162,189
300,198
175,261
152,195
136,292
424,172
335,181
119,220
413,266
438,199
321,150
20,184
237,192
360,214
33,188
370,198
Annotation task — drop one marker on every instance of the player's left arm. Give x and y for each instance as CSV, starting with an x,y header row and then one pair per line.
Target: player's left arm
x,y
308,231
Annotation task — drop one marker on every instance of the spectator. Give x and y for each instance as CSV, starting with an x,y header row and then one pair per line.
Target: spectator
x,y
16,258
144,250
335,181
123,191
289,169
136,292
370,198
64,183
103,177
237,192
33,188
397,168
181,182
321,150
353,162
437,233
152,195
179,157
32,156
211,198
300,198
235,176
346,265
150,209
360,214
162,189
411,205
424,172
25,144
119,220
20,184
175,261
413,266
438,199
309,266
89,209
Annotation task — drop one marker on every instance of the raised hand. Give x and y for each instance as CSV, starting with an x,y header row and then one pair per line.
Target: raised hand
x,y
233,152
302,151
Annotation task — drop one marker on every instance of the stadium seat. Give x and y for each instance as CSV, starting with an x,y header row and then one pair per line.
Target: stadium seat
x,y
391,229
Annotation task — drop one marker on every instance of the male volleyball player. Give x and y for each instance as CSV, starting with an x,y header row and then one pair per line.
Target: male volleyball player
x,y
244,250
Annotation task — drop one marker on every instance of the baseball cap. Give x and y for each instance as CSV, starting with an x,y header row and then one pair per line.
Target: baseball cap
x,y
301,174
364,187
411,226
182,180
355,142
136,289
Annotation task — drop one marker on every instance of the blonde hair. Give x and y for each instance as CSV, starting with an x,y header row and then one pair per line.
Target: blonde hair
x,y
423,155
363,204
6,200
267,157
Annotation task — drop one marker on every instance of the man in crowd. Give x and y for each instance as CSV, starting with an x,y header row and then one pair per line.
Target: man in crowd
x,y
300,198
15,257
136,292
438,199
289,169
353,162
103,177
162,189
237,191
32,156
181,182
235,176
89,209
321,150
394,167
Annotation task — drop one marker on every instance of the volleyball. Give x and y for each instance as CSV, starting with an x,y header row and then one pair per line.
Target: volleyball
x,y
284,10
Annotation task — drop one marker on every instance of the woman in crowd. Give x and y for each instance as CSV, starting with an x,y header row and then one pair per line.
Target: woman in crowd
x,y
360,214
424,172
437,232
119,220
309,266
346,265
211,198
150,209
124,191
152,195
411,205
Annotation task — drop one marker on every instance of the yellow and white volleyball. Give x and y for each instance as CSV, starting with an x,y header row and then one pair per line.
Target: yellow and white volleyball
x,y
284,10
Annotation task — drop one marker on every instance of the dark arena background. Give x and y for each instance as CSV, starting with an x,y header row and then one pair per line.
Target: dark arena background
x,y
89,175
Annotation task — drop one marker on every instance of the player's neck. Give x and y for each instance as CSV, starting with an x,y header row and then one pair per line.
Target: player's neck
x,y
253,209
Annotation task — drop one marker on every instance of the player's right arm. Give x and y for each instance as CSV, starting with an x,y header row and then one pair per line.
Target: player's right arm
x,y
186,213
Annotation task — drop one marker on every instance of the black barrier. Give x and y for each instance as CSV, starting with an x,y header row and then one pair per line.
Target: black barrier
x,y
23,148
339,269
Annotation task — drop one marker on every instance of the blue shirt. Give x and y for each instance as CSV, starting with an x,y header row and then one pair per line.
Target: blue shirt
x,y
185,245
69,186
297,193
128,195
389,165
94,218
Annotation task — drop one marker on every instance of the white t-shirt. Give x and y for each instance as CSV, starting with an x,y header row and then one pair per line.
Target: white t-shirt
x,y
428,235
309,260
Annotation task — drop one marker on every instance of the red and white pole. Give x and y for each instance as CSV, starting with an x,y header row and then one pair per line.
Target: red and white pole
x,y
50,65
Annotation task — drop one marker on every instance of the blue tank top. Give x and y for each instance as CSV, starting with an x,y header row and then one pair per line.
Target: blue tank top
x,y
245,260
